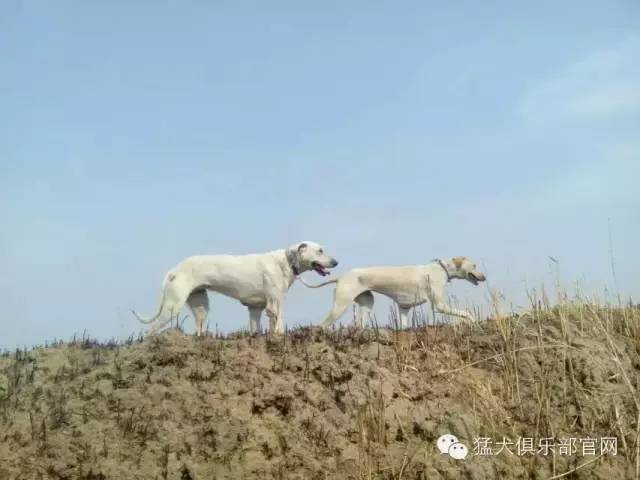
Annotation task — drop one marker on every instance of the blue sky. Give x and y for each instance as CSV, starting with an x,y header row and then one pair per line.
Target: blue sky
x,y
134,134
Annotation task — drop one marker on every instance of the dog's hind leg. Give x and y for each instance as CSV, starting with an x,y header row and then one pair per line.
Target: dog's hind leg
x,y
176,291
344,296
365,304
198,302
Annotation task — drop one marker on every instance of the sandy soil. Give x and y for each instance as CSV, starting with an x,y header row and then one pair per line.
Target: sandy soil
x,y
344,405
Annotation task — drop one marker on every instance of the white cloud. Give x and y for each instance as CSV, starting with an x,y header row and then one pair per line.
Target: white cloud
x,y
600,86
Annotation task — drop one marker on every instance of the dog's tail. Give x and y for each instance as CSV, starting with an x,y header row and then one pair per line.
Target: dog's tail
x,y
308,285
153,318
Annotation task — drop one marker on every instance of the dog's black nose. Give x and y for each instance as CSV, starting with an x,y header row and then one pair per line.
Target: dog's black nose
x,y
334,262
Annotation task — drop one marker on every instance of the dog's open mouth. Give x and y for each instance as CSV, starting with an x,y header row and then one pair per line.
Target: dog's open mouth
x,y
320,270
473,279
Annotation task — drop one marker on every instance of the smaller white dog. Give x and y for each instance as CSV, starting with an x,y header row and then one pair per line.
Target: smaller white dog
x,y
259,281
408,286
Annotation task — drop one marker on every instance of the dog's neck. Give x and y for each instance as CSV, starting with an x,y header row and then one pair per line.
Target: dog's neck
x,y
444,267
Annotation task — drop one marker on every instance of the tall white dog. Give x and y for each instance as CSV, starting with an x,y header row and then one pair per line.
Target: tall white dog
x,y
408,286
258,281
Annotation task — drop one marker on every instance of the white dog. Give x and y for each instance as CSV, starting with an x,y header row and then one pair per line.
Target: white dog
x,y
408,286
258,281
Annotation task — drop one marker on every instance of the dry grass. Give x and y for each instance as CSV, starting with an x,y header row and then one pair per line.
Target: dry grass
x,y
344,404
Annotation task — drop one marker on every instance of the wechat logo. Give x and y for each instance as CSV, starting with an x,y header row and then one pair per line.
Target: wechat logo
x,y
450,445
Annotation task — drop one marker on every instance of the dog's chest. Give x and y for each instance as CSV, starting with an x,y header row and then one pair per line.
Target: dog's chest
x,y
405,291
246,292
410,298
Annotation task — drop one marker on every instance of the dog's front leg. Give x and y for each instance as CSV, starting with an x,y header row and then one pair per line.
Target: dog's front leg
x,y
447,310
254,319
404,317
274,313
275,291
279,323
440,306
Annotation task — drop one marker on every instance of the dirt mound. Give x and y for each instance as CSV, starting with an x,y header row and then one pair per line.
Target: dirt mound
x,y
344,405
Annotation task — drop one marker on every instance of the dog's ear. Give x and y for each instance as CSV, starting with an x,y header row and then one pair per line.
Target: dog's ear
x,y
302,246
293,258
458,261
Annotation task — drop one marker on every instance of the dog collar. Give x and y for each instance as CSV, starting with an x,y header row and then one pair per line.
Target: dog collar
x,y
444,267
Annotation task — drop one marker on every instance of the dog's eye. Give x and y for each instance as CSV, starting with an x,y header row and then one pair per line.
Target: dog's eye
x,y
320,251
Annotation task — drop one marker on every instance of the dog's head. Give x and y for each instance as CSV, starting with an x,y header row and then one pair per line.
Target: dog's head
x,y
306,256
465,269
